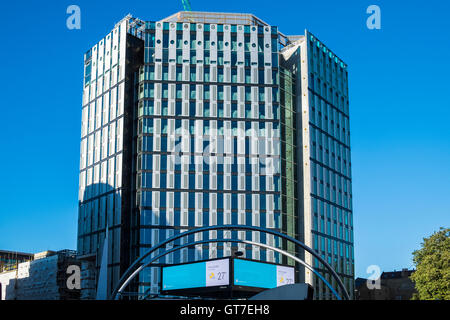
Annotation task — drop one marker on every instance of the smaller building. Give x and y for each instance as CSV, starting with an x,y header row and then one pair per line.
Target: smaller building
x,y
395,285
9,260
43,277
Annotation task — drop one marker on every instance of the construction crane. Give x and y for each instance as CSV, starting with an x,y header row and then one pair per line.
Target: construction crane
x,y
186,5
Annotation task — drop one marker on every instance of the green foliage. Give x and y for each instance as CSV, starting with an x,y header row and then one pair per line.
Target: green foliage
x,y
432,276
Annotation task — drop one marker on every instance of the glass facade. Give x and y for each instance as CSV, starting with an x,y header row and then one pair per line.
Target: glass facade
x,y
189,124
331,193
105,153
315,82
102,148
289,176
208,139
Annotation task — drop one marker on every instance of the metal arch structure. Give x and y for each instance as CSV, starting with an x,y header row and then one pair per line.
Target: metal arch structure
x,y
148,264
124,280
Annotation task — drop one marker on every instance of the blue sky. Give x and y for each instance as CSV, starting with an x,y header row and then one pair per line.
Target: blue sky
x,y
399,101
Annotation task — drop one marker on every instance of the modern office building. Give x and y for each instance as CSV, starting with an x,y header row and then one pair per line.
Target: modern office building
x,y
206,119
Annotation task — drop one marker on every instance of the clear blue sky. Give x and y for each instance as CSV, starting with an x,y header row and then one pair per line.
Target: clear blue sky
x,y
399,100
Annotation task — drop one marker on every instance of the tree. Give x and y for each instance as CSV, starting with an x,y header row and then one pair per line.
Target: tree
x,y
432,276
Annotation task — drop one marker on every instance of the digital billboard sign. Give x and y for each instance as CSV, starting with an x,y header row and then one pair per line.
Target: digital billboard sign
x,y
196,275
262,275
215,273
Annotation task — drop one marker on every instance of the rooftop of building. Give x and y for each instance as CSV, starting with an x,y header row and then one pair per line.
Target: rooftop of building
x,y
359,282
215,17
206,17
137,26
405,273
14,253
20,257
210,18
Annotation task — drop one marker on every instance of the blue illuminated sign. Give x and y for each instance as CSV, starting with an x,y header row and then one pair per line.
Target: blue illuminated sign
x,y
255,274
196,275
184,276
217,273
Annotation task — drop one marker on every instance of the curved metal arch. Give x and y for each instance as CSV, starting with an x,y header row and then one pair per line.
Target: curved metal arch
x,y
229,227
148,264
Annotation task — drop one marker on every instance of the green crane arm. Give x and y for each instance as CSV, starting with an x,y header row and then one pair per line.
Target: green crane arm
x,y
186,5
